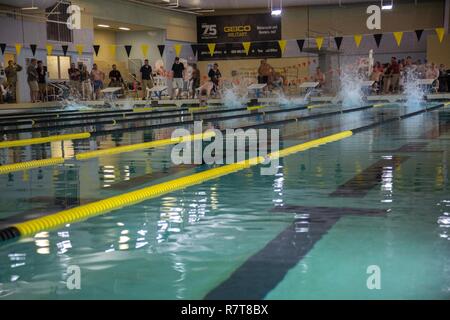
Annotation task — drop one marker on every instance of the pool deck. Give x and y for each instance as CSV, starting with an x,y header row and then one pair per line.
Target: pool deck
x,y
10,108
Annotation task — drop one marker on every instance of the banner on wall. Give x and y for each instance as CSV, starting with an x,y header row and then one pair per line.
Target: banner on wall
x,y
238,29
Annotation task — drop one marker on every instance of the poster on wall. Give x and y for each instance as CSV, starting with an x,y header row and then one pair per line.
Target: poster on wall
x,y
229,32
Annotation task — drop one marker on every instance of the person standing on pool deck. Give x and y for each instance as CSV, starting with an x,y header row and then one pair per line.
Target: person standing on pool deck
x,y
42,80
115,77
97,78
74,77
33,80
147,80
264,72
11,77
215,75
195,78
178,71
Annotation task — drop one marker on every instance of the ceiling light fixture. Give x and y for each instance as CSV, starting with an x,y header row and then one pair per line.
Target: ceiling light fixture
x,y
103,26
124,28
276,9
387,4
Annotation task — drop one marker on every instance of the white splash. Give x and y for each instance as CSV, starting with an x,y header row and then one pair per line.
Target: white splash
x,y
291,102
233,98
351,91
412,89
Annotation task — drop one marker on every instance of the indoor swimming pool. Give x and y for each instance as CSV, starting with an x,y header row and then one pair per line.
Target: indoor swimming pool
x,y
380,197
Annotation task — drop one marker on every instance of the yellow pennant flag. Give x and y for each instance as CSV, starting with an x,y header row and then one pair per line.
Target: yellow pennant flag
x,y
177,49
246,47
112,49
79,48
282,44
49,49
319,42
440,33
398,37
18,48
358,39
211,47
144,49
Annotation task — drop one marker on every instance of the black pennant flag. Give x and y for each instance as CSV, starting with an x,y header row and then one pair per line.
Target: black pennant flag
x,y
194,49
419,34
33,48
378,37
300,44
3,47
338,41
161,48
228,47
128,50
65,47
96,49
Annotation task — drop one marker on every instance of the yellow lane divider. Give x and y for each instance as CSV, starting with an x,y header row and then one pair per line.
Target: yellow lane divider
x,y
27,142
446,104
378,105
194,109
143,109
252,108
313,106
145,145
8,168
52,221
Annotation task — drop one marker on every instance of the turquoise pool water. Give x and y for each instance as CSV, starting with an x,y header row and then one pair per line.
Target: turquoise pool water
x,y
380,197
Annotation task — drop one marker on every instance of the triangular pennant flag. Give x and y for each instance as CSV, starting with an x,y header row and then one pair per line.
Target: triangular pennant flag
x,y
338,41
3,47
398,37
212,48
440,33
282,44
49,48
300,44
96,49
378,37
246,46
33,48
194,48
79,48
64,47
128,49
177,48
319,42
161,48
358,39
18,48
419,34
144,48
113,49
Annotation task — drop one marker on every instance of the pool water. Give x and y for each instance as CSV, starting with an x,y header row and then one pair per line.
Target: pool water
x,y
378,198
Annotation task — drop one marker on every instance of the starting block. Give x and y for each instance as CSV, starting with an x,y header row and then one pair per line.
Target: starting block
x,y
157,90
257,87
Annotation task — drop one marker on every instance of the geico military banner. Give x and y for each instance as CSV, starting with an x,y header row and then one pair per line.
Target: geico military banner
x,y
238,29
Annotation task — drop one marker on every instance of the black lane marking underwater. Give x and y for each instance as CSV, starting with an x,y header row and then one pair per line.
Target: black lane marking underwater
x,y
263,271
362,183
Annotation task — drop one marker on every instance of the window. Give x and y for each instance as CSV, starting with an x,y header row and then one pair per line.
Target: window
x,y
57,67
56,23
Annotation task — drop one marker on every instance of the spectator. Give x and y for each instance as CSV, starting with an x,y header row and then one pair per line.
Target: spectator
x,y
195,79
115,77
85,81
147,78
74,77
215,75
264,72
33,80
443,85
97,78
178,71
42,80
11,78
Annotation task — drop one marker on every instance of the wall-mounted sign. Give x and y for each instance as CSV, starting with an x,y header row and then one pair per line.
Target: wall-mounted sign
x,y
229,32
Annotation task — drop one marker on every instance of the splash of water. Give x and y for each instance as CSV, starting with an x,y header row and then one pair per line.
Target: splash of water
x,y
233,98
291,102
351,91
413,91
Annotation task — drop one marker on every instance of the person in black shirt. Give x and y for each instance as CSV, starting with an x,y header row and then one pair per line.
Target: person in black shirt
x,y
115,77
147,81
42,81
178,71
215,75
